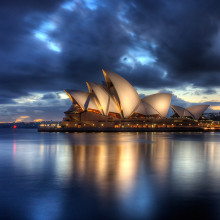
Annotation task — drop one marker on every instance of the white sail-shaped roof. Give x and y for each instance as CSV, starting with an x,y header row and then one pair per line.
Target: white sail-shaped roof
x,y
150,110
145,109
83,99
113,107
197,110
160,102
101,94
127,95
141,109
178,110
79,97
92,103
104,98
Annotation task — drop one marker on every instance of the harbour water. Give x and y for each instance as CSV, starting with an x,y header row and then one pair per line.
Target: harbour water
x,y
143,175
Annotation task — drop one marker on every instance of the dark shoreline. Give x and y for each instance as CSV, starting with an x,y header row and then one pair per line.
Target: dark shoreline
x,y
181,129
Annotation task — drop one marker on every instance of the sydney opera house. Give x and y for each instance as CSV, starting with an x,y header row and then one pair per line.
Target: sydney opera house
x,y
116,103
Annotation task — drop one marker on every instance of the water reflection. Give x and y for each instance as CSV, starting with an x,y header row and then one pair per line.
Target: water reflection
x,y
105,162
113,175
126,166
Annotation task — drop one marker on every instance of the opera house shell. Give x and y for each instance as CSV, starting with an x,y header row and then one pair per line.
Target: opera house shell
x,y
118,98
194,112
116,101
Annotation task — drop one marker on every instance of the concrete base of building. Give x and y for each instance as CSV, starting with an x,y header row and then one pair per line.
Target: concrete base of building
x,y
92,122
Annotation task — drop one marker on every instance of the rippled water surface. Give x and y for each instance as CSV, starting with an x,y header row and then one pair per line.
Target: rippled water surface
x,y
109,175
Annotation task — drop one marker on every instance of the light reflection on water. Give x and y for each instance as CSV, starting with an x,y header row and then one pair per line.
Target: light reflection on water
x,y
109,175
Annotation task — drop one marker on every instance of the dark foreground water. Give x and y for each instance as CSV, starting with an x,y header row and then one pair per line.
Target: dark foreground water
x,y
109,175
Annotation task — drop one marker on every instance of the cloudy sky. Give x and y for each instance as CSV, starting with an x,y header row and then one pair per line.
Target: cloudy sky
x,y
47,46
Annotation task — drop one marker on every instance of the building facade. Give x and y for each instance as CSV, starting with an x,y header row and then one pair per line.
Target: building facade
x,y
117,104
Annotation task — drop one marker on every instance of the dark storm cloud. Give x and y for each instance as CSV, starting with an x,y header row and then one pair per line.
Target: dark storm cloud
x,y
49,96
6,100
22,67
101,41
187,36
206,92
154,44
210,91
15,23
